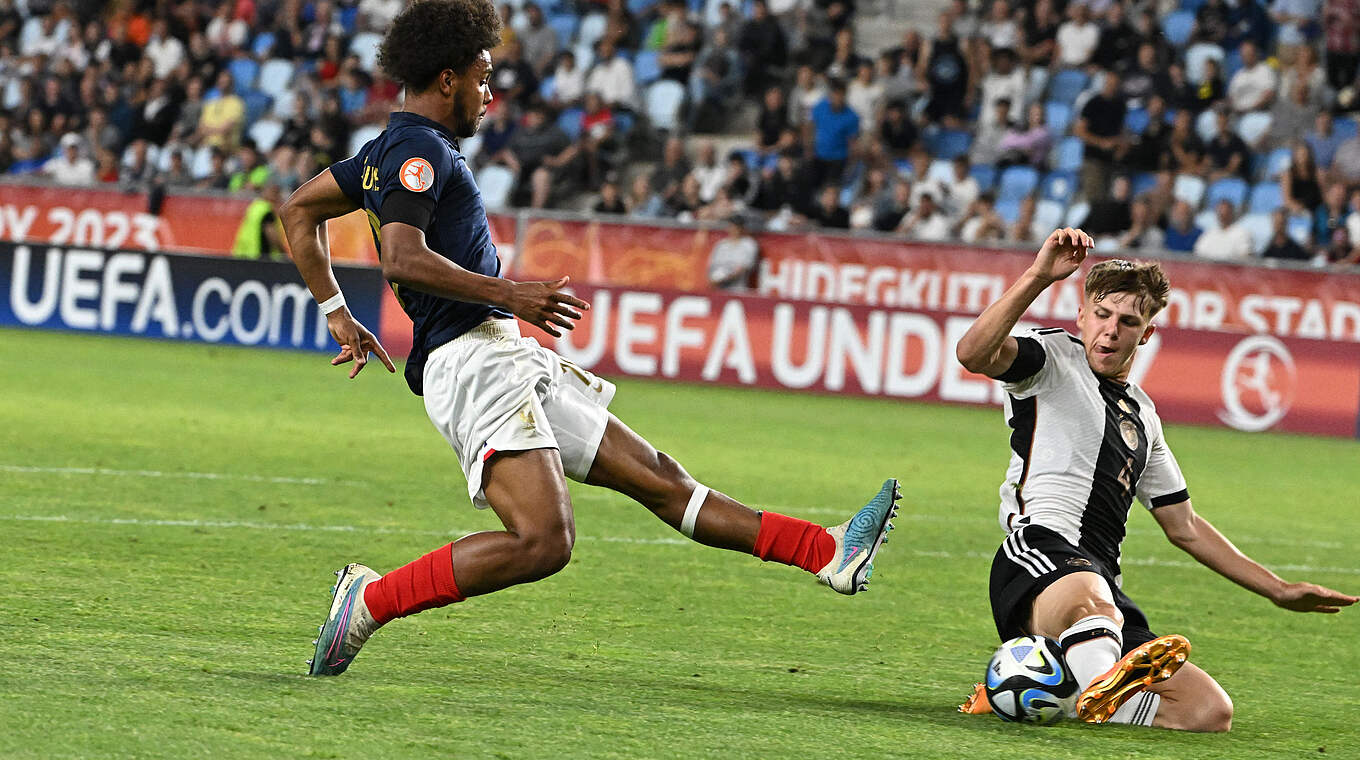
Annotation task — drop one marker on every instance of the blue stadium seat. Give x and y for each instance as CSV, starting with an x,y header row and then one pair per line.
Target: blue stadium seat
x,y
948,143
1188,188
1136,120
1142,182
646,67
349,17
904,167
275,76
1195,58
365,45
1261,228
1066,85
1077,213
985,174
570,122
623,122
1300,229
1252,127
1048,215
1345,127
265,133
1068,154
257,105
362,135
641,7
565,26
1206,125
1232,63
663,101
1177,27
1058,116
547,88
243,72
941,170
262,44
1059,186
1008,210
592,28
1265,198
495,183
1277,163
1231,189
1016,183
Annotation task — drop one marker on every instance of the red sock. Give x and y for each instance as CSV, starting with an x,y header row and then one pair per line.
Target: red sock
x,y
793,542
420,585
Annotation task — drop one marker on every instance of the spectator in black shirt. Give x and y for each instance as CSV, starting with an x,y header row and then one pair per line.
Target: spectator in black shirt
x,y
764,49
1187,150
512,78
1210,90
773,128
892,208
1118,40
1211,22
829,212
1228,155
681,51
610,201
1172,85
1281,245
896,129
1150,150
1101,129
781,186
1040,34
1112,215
1140,76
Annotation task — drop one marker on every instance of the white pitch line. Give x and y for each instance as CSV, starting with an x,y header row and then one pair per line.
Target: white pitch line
x,y
661,541
104,471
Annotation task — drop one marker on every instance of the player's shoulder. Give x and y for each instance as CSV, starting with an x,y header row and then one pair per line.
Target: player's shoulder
x,y
1058,342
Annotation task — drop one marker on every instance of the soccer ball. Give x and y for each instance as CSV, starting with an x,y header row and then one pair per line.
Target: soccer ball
x,y
1028,681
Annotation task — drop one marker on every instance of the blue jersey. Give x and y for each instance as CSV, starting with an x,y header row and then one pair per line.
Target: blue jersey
x,y
420,155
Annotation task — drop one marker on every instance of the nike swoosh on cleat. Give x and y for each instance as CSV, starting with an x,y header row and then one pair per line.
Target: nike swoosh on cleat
x,y
854,550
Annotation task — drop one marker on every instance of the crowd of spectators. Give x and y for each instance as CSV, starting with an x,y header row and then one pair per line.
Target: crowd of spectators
x,y
1221,129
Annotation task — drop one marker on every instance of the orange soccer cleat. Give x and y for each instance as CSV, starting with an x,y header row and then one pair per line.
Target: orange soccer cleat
x,y
1150,663
977,703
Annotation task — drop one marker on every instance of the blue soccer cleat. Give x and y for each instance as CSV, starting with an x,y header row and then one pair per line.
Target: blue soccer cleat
x,y
347,626
857,542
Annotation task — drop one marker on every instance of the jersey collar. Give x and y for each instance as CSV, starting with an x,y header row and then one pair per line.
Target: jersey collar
x,y
398,118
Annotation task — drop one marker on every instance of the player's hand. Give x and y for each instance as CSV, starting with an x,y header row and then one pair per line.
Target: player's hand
x,y
1310,597
355,342
545,306
1062,254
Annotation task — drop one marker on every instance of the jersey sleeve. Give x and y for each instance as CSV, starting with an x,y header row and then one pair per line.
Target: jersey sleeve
x,y
349,175
1161,483
416,168
1038,359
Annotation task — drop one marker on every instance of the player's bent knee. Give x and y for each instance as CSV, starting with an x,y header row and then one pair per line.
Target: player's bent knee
x,y
1217,714
1094,606
544,555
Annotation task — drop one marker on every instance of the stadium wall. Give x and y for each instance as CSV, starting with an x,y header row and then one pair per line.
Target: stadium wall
x,y
1251,347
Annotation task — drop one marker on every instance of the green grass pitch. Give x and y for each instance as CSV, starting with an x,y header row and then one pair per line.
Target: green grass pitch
x,y
149,610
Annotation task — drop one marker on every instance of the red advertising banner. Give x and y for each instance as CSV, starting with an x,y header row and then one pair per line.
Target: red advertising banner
x,y
885,272
68,216
1249,382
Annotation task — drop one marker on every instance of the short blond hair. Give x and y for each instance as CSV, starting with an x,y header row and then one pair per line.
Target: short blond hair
x,y
1145,280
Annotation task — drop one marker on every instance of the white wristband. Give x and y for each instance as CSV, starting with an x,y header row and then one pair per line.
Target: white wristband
x,y
331,304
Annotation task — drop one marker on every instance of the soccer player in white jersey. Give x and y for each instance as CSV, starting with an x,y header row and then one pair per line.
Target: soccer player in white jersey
x,y
1084,442
520,418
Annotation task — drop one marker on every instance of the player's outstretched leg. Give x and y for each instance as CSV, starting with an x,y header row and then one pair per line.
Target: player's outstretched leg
x,y
1151,663
842,557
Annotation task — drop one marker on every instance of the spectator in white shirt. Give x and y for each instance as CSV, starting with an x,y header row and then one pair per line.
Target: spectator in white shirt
x,y
164,52
732,262
612,78
1005,80
70,167
1230,241
864,94
1077,37
1000,28
569,81
1253,87
926,221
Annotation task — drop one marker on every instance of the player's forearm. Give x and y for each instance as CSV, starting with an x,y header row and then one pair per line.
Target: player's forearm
x,y
1212,549
980,346
431,273
311,252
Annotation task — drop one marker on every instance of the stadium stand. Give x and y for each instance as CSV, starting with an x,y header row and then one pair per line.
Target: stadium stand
x,y
304,76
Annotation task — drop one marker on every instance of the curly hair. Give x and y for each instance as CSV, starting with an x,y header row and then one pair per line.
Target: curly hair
x,y
433,35
1145,280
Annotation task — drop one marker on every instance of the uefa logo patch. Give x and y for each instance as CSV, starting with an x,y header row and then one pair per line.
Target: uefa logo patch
x,y
417,175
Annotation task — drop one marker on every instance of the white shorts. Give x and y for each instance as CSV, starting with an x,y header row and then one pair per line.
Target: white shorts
x,y
491,390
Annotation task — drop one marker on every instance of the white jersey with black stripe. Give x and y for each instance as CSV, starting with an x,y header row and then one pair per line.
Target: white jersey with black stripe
x,y
1081,447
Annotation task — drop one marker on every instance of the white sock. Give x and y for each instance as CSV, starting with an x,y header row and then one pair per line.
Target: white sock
x,y
1091,647
1138,711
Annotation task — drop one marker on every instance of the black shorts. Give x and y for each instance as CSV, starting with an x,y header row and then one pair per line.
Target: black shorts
x,y
1029,561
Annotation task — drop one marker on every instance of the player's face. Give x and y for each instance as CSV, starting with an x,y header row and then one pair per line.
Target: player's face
x,y
471,95
1111,330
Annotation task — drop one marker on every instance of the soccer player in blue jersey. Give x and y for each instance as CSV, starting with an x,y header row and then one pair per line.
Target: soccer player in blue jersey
x,y
1086,440
520,418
